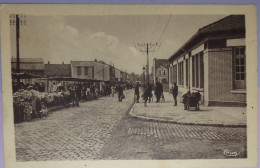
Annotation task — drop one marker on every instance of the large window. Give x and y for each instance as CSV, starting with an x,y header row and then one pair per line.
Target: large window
x,y
239,68
78,70
180,73
187,71
198,71
86,70
173,73
193,71
201,78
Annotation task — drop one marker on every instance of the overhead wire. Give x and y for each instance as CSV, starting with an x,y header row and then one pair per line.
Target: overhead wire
x,y
155,27
165,27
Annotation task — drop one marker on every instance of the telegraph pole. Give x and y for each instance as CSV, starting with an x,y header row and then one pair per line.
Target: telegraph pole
x,y
17,43
147,47
15,20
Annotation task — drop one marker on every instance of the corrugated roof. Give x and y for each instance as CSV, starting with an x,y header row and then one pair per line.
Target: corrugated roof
x,y
58,70
231,24
228,23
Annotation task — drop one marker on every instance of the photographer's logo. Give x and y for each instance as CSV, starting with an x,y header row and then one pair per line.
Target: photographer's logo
x,y
229,152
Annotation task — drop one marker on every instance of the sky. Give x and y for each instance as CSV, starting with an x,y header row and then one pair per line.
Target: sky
x,y
113,39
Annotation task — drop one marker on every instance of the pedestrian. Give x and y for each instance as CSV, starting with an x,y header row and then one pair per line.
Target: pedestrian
x,y
150,89
198,98
113,90
146,94
120,93
36,103
175,93
137,92
73,95
158,91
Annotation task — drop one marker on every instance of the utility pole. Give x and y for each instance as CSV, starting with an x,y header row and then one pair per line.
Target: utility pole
x,y
147,47
17,44
15,20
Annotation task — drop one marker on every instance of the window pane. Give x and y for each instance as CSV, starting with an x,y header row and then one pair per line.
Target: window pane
x,y
193,72
242,68
237,69
201,71
237,76
86,70
237,61
78,70
237,51
187,72
197,71
242,61
242,76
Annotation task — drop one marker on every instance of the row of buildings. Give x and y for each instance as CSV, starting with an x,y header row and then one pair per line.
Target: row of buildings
x,y
212,61
94,70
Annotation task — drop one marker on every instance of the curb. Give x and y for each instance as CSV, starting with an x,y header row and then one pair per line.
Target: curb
x,y
183,123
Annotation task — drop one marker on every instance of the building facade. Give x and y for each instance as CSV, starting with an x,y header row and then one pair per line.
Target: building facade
x,y
213,62
89,70
96,70
160,72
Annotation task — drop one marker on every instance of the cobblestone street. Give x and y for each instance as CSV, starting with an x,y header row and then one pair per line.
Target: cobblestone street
x,y
138,139
102,129
71,133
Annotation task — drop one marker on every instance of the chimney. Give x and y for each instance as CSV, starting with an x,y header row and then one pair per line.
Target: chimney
x,y
48,62
62,62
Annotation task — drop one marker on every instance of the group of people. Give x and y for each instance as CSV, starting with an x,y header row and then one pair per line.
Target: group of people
x,y
77,91
86,92
147,92
158,91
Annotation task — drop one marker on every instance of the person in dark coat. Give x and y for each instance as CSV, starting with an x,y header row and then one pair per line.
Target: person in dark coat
x,y
74,96
198,98
158,91
175,93
146,94
120,93
137,92
150,89
185,99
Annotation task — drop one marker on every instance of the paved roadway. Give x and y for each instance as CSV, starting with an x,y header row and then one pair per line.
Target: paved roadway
x,y
102,129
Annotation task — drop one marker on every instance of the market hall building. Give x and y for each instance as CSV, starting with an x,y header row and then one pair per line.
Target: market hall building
x,y
213,62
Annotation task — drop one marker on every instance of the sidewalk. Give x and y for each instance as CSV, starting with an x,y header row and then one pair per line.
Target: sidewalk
x,y
166,112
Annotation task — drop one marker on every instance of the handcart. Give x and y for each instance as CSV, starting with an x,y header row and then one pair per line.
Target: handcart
x,y
192,101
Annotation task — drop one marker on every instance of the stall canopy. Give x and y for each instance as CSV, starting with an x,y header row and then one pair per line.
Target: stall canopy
x,y
25,76
72,79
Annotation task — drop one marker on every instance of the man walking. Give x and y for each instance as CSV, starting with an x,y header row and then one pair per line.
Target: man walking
x,y
120,93
137,93
150,89
146,94
158,91
175,93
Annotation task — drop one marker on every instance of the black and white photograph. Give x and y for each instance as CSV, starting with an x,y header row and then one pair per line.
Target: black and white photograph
x,y
133,86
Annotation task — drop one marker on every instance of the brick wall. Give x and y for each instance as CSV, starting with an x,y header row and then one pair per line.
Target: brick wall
x,y
220,78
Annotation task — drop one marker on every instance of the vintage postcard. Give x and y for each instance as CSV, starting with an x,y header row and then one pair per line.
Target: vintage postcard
x,y
129,85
